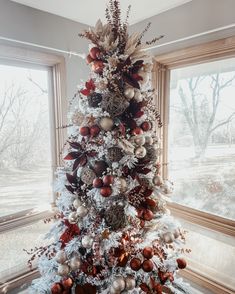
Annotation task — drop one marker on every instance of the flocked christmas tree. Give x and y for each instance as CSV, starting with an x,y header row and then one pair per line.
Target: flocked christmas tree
x,y
113,232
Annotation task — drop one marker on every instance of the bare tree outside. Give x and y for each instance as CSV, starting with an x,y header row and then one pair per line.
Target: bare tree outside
x,y
202,136
25,155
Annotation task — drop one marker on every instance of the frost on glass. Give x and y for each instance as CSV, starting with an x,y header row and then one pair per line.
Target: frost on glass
x,y
25,159
202,137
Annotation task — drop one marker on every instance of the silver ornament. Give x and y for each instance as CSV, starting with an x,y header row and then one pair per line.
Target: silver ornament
x,y
77,203
106,123
149,140
129,93
157,180
82,211
61,256
140,152
139,140
75,263
73,218
130,283
119,284
63,270
87,242
168,237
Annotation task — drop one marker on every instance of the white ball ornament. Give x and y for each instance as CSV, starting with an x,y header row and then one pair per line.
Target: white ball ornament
x,y
138,96
63,270
129,93
106,123
119,284
157,180
139,140
61,256
75,263
123,185
168,237
113,291
140,152
130,283
82,211
77,203
73,218
87,242
149,140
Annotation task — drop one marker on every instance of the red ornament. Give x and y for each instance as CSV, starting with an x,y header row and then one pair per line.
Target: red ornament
x,y
95,52
135,264
147,266
94,130
148,215
98,66
108,180
145,126
139,114
97,183
84,131
57,288
67,283
105,191
181,263
89,59
150,202
148,252
137,131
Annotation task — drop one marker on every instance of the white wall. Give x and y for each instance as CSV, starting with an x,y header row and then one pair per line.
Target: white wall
x,y
27,24
192,18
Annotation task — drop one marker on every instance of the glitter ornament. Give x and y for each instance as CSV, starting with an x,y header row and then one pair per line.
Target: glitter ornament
x,y
106,123
63,270
130,283
82,211
114,104
73,218
87,175
61,256
118,284
77,118
94,99
114,154
87,242
140,152
75,263
115,217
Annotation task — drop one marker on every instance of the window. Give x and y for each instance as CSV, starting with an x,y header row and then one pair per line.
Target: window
x,y
32,108
201,152
196,89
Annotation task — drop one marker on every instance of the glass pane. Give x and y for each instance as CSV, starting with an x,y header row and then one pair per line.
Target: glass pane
x,y
25,155
202,137
15,259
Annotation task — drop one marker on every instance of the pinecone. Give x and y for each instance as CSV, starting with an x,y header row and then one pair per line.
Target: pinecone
x,y
115,217
94,99
114,154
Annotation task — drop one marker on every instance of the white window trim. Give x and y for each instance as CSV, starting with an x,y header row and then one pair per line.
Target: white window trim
x,y
163,64
58,117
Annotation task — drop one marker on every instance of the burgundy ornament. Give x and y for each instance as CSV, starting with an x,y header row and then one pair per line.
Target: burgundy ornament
x,y
148,252
95,52
181,263
84,131
89,59
135,264
148,215
147,266
97,183
145,126
98,66
105,191
108,180
100,167
67,283
57,288
137,131
94,130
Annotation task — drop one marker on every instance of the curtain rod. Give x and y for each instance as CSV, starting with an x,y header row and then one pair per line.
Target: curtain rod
x,y
83,55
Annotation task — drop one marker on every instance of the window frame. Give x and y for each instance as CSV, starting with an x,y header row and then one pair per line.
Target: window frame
x,y
162,66
58,118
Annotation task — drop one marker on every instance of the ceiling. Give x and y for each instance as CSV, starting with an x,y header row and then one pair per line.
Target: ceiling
x,y
88,11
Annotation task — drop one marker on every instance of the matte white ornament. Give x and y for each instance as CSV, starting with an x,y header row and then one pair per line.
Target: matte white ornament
x,y
157,180
130,283
75,263
77,203
61,256
106,123
140,152
123,185
113,291
72,218
168,237
82,211
63,270
138,96
119,284
87,242
149,140
129,93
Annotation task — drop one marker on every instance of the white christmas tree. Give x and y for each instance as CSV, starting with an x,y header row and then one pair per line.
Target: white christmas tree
x,y
113,232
